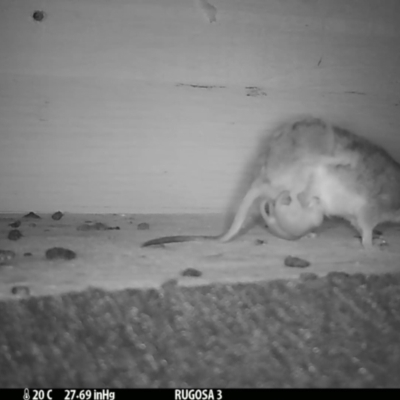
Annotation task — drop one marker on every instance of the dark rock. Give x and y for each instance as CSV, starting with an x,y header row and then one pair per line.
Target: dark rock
x,y
31,215
191,272
308,276
21,291
296,262
60,253
6,256
143,226
14,234
57,216
93,226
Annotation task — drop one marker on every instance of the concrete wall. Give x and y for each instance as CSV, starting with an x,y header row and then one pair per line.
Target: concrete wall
x,y
156,105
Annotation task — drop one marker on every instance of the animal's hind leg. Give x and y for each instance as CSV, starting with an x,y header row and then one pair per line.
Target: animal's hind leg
x,y
257,190
365,223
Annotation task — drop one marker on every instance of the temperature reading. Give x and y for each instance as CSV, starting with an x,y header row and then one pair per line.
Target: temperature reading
x,y
39,394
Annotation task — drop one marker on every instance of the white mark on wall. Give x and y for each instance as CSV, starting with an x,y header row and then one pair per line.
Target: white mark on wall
x,y
209,10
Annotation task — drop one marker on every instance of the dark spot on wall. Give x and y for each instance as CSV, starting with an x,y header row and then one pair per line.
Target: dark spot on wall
x,y
201,86
39,16
354,92
255,91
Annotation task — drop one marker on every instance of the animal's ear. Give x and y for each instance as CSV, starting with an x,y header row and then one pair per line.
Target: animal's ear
x,y
267,208
284,198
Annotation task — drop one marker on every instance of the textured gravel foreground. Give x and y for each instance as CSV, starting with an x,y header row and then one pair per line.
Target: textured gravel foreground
x,y
337,331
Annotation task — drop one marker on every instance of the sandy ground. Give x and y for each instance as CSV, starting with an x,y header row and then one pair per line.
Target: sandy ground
x,y
113,259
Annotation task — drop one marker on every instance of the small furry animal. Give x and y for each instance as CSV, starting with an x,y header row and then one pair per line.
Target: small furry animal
x,y
288,219
351,177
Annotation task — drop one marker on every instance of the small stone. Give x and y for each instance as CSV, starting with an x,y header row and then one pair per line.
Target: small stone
x,y
296,262
337,276
380,242
308,276
191,272
143,226
6,256
27,254
311,235
21,291
15,224
14,234
93,226
259,242
60,253
57,216
170,284
31,215
340,279
359,279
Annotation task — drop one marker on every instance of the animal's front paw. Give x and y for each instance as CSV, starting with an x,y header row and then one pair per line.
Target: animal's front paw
x,y
376,242
304,199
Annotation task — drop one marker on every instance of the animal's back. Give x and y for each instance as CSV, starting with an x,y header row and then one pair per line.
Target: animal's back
x,y
375,174
297,150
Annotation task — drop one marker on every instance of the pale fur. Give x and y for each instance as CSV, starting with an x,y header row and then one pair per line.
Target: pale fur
x,y
351,177
288,219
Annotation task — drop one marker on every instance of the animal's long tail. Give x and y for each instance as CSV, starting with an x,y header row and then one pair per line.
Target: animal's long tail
x,y
177,239
257,190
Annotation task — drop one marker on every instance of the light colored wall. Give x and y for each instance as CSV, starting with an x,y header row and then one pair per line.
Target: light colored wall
x,y
100,112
